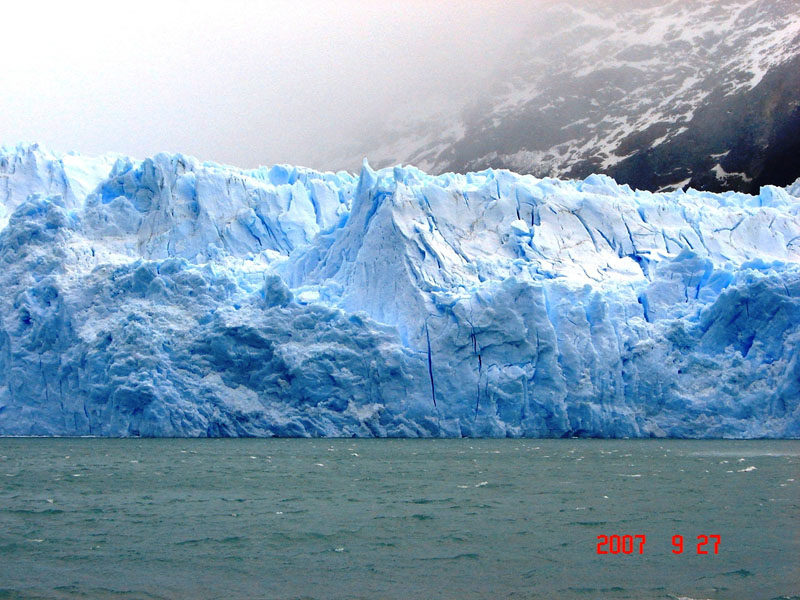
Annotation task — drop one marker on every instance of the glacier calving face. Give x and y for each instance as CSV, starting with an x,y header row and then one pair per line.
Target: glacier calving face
x,y
169,297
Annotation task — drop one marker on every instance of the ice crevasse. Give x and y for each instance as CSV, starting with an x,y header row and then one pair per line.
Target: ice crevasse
x,y
170,297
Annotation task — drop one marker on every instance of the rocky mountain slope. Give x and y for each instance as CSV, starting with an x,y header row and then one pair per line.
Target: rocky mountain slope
x,y
660,94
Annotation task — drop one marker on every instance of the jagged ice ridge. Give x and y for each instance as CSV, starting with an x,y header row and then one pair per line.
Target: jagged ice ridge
x,y
169,297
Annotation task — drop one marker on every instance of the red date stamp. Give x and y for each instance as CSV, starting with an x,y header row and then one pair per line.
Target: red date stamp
x,y
634,544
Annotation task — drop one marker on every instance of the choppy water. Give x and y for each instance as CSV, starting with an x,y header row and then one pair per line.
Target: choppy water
x,y
454,519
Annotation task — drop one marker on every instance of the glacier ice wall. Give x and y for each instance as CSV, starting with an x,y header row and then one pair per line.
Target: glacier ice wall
x,y
169,297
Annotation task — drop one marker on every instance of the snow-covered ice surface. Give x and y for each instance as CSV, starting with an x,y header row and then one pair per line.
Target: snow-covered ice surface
x,y
169,297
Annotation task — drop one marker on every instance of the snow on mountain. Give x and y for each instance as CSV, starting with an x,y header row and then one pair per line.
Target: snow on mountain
x,y
170,297
658,94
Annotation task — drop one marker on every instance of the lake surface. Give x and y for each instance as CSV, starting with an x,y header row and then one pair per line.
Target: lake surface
x,y
460,519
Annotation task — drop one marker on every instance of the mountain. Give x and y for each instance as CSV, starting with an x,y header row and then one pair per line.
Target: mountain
x,y
657,94
169,297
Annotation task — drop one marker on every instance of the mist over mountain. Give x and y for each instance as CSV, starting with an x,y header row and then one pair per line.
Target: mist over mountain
x,y
659,94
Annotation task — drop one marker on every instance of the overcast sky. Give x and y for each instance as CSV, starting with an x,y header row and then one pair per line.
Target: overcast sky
x,y
237,82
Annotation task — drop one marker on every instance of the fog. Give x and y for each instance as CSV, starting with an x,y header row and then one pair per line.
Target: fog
x,y
242,83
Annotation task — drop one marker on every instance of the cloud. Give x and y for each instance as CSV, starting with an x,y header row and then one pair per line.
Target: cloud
x,y
242,83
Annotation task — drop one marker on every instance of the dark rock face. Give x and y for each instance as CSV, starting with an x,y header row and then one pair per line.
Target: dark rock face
x,y
657,94
755,134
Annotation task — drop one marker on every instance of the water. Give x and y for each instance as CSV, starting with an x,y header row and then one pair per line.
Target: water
x,y
460,519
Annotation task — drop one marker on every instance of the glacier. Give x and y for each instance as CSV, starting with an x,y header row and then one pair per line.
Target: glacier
x,y
173,297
